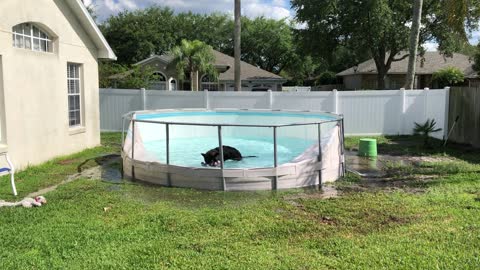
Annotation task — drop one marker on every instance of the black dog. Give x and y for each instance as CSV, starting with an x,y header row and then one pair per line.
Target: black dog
x,y
212,157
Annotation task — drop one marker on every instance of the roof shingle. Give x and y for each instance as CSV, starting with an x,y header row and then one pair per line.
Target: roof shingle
x,y
428,64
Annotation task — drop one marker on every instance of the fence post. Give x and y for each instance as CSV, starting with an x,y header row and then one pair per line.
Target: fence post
x,y
403,110
143,96
425,103
335,101
206,99
447,113
270,99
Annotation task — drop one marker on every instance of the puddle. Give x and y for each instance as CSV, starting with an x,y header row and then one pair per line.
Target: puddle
x,y
372,167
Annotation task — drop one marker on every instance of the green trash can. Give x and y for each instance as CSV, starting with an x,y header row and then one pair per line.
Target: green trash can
x,y
367,148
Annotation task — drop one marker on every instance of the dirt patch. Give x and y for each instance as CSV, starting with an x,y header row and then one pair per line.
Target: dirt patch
x,y
327,221
417,160
105,172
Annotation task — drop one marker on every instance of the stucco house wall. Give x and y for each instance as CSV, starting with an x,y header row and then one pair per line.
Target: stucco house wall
x,y
35,116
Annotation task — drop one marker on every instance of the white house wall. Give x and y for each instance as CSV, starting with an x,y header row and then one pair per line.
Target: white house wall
x,y
35,84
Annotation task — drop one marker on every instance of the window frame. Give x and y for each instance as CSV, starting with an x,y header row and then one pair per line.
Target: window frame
x,y
208,83
76,91
43,37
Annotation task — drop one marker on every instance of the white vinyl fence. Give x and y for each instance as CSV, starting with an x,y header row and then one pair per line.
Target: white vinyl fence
x,y
387,112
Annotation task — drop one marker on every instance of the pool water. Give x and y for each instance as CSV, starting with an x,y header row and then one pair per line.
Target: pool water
x,y
187,151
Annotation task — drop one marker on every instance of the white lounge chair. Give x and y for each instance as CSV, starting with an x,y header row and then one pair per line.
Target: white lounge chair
x,y
11,170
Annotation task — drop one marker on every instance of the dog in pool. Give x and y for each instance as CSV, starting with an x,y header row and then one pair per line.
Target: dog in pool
x,y
212,157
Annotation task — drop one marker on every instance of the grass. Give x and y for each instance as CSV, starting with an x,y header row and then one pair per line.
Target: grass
x,y
148,227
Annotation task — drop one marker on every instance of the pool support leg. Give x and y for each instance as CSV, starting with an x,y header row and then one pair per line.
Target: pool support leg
x,y
224,184
167,149
320,157
344,165
275,159
133,149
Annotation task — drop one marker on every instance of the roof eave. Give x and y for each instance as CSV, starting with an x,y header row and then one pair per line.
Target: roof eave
x,y
104,49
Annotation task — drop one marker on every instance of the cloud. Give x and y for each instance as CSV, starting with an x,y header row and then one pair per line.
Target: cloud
x,y
87,2
430,46
275,9
266,10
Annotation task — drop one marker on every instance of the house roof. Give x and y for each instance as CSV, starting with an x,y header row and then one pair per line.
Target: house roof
x,y
249,72
428,64
91,28
226,62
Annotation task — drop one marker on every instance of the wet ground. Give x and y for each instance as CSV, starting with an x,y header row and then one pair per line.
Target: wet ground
x,y
371,171
372,167
108,169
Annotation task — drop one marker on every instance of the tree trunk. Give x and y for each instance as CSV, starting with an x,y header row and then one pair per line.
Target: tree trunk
x,y
237,45
381,76
414,39
194,80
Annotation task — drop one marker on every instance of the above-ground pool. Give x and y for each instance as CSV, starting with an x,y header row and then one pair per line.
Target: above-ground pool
x,y
284,146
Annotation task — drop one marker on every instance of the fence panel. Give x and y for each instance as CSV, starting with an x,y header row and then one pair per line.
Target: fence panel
x,y
465,104
371,112
173,99
385,112
316,101
116,102
240,100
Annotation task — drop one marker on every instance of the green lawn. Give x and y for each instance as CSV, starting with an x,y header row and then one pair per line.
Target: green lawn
x,y
147,227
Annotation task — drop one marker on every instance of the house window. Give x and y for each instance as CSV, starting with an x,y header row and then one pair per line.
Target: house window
x,y
209,83
74,95
30,37
159,83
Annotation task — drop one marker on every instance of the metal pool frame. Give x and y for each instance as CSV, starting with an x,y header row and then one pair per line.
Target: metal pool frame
x,y
274,183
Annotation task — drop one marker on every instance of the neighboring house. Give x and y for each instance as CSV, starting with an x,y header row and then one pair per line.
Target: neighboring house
x,y
364,76
49,98
253,78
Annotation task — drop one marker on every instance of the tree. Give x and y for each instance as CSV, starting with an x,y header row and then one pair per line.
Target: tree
x,y
301,70
414,39
237,46
194,58
267,43
214,29
380,27
125,77
136,35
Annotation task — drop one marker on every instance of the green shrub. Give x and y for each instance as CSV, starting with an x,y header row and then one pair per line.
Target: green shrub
x,y
449,76
425,130
326,77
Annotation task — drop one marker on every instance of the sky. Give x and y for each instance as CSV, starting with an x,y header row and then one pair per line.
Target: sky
x,y
275,9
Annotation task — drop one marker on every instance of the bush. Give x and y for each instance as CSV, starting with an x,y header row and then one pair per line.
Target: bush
x,y
125,77
425,130
326,77
449,76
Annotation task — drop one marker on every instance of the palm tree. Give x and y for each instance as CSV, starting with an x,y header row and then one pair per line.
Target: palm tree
x,y
194,57
414,39
237,46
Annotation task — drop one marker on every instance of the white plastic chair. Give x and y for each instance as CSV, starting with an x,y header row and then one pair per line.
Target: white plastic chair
x,y
11,170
